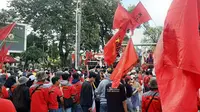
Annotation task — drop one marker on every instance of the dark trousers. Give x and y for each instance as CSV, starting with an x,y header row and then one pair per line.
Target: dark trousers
x,y
85,108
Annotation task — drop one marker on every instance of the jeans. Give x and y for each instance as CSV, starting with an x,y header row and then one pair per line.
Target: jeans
x,y
56,110
129,105
77,108
103,108
68,110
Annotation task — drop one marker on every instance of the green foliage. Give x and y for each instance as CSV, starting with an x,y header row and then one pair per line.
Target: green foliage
x,y
130,8
33,54
99,14
54,22
7,15
151,34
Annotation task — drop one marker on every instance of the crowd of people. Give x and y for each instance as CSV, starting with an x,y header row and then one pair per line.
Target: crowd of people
x,y
77,91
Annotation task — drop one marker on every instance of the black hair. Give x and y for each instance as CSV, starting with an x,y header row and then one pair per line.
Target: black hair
x,y
54,79
75,76
92,75
65,76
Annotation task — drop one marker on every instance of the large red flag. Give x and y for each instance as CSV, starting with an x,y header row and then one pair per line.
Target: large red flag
x,y
121,15
176,58
113,46
5,31
139,15
126,63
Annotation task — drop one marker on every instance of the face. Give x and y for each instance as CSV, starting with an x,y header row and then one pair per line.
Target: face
x,y
132,80
92,80
58,82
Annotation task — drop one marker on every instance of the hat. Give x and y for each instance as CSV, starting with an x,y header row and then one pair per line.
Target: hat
x,y
32,77
79,72
41,76
22,80
133,76
127,78
153,83
109,70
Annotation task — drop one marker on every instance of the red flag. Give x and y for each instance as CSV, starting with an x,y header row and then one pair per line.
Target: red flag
x,y
121,15
9,59
3,53
5,31
176,58
126,63
139,16
111,49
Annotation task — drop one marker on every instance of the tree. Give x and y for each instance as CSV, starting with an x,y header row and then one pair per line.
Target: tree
x,y
7,15
33,54
51,19
55,20
151,34
101,13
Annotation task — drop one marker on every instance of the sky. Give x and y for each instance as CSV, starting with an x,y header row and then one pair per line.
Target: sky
x,y
156,8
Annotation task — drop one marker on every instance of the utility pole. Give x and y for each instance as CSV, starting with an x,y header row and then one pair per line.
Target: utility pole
x,y
78,33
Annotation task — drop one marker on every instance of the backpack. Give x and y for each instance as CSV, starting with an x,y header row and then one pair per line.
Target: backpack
x,y
67,96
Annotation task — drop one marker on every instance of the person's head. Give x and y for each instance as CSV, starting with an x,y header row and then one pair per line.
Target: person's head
x,y
23,80
153,84
128,79
76,76
92,77
79,73
2,79
41,76
65,76
10,81
133,77
55,81
109,70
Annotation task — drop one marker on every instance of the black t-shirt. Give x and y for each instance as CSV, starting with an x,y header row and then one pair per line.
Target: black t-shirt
x,y
129,90
115,97
86,94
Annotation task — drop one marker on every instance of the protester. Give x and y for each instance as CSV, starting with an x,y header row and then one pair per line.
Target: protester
x,y
135,96
21,97
31,80
129,92
4,93
146,81
39,93
151,100
6,106
116,98
87,93
102,89
68,92
77,84
55,96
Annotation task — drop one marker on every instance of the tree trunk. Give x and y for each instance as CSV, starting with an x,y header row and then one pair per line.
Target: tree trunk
x,y
63,56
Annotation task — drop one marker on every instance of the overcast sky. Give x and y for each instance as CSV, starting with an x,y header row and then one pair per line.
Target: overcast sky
x,y
156,8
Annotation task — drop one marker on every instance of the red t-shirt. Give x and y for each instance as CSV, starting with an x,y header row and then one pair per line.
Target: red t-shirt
x,y
140,78
82,79
4,93
39,99
155,105
54,94
68,91
77,91
6,106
